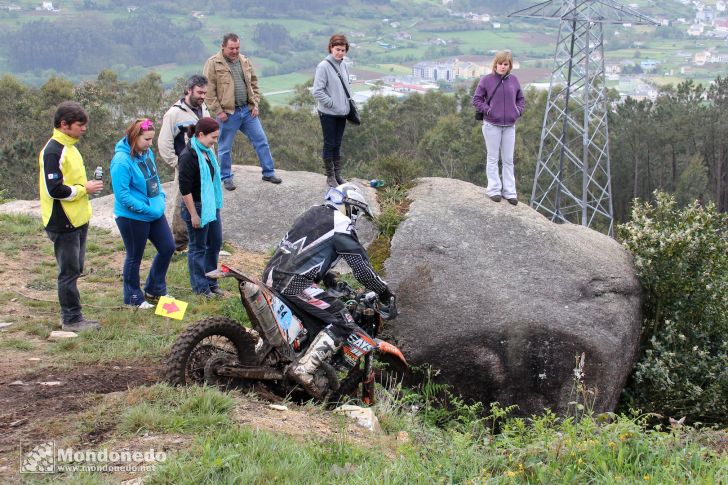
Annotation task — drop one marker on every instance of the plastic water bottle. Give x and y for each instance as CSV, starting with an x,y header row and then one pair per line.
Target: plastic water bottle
x,y
98,175
376,183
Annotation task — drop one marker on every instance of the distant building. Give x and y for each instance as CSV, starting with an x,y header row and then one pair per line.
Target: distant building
x,y
468,70
701,58
720,6
649,65
696,29
721,25
47,6
637,89
433,71
705,16
612,69
478,18
411,88
449,71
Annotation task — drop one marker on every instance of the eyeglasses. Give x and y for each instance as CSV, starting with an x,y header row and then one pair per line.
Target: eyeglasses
x,y
146,125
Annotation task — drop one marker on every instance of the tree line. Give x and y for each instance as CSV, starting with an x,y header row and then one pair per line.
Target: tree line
x,y
678,143
89,43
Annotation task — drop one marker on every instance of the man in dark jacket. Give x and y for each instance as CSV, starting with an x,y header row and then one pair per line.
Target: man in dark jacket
x,y
319,238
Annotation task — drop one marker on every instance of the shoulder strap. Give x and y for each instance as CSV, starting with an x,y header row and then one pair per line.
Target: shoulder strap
x,y
340,78
487,101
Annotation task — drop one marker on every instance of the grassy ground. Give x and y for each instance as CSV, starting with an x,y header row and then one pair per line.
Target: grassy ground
x,y
215,437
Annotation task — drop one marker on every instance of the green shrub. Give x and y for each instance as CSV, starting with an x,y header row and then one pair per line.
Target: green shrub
x,y
397,169
681,258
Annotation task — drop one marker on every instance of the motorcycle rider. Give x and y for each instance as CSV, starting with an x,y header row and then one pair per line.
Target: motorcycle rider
x,y
319,238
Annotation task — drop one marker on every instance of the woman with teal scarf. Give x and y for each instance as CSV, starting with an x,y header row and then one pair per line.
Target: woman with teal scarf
x,y
201,190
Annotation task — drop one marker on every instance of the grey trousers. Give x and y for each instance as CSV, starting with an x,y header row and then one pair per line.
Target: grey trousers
x,y
500,141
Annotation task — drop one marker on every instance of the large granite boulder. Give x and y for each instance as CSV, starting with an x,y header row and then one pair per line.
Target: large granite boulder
x,y
501,300
257,214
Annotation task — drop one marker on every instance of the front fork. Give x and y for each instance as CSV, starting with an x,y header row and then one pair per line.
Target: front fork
x,y
367,385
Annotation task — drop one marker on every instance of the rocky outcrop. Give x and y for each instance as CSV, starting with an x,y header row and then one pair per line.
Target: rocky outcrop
x,y
501,300
255,216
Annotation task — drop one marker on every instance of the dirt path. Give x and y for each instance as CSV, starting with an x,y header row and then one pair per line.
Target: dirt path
x,y
39,405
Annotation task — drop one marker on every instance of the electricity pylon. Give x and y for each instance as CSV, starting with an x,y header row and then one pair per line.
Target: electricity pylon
x,y
573,176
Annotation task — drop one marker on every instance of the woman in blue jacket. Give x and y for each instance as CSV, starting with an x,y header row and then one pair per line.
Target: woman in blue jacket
x,y
139,213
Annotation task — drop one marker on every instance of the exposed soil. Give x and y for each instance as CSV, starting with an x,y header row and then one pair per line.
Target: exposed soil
x,y
31,412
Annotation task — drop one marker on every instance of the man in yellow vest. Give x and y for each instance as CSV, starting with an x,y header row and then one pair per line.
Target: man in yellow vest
x,y
65,208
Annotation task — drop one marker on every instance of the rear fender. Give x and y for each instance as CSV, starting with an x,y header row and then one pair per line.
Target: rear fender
x,y
225,271
387,348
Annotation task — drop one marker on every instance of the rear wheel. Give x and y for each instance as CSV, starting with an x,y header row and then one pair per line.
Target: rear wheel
x,y
205,345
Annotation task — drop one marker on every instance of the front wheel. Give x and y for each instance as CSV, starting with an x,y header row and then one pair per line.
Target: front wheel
x,y
211,341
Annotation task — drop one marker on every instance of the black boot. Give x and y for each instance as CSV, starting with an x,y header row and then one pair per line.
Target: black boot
x,y
329,171
337,171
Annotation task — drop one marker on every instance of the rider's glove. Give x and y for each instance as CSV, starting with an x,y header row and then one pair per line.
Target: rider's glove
x,y
385,297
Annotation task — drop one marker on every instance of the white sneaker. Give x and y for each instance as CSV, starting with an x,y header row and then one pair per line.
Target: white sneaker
x,y
146,306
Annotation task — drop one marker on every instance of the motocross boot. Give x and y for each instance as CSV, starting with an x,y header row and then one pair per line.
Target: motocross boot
x,y
322,348
337,171
329,171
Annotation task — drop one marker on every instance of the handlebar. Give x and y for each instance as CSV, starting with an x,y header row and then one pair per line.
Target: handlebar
x,y
389,311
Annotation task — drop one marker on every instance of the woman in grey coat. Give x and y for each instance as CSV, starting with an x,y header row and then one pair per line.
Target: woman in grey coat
x,y
333,105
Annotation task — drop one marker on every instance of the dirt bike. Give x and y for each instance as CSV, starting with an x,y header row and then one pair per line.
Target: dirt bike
x,y
222,352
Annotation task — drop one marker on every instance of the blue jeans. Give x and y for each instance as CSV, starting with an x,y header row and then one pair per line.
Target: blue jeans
x,y
135,235
203,250
241,119
70,251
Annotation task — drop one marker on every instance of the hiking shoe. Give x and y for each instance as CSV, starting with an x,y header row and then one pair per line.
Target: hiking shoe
x,y
145,305
229,184
209,295
218,292
513,201
495,198
81,325
272,179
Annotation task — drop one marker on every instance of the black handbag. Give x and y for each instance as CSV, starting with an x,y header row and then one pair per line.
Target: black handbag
x,y
353,116
479,115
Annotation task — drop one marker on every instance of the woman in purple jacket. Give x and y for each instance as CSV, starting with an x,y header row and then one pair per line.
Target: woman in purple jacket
x,y
500,99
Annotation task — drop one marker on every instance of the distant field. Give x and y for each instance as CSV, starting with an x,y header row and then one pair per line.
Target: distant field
x,y
282,99
283,82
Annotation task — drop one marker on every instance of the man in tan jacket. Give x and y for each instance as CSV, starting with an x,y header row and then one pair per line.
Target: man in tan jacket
x,y
233,97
